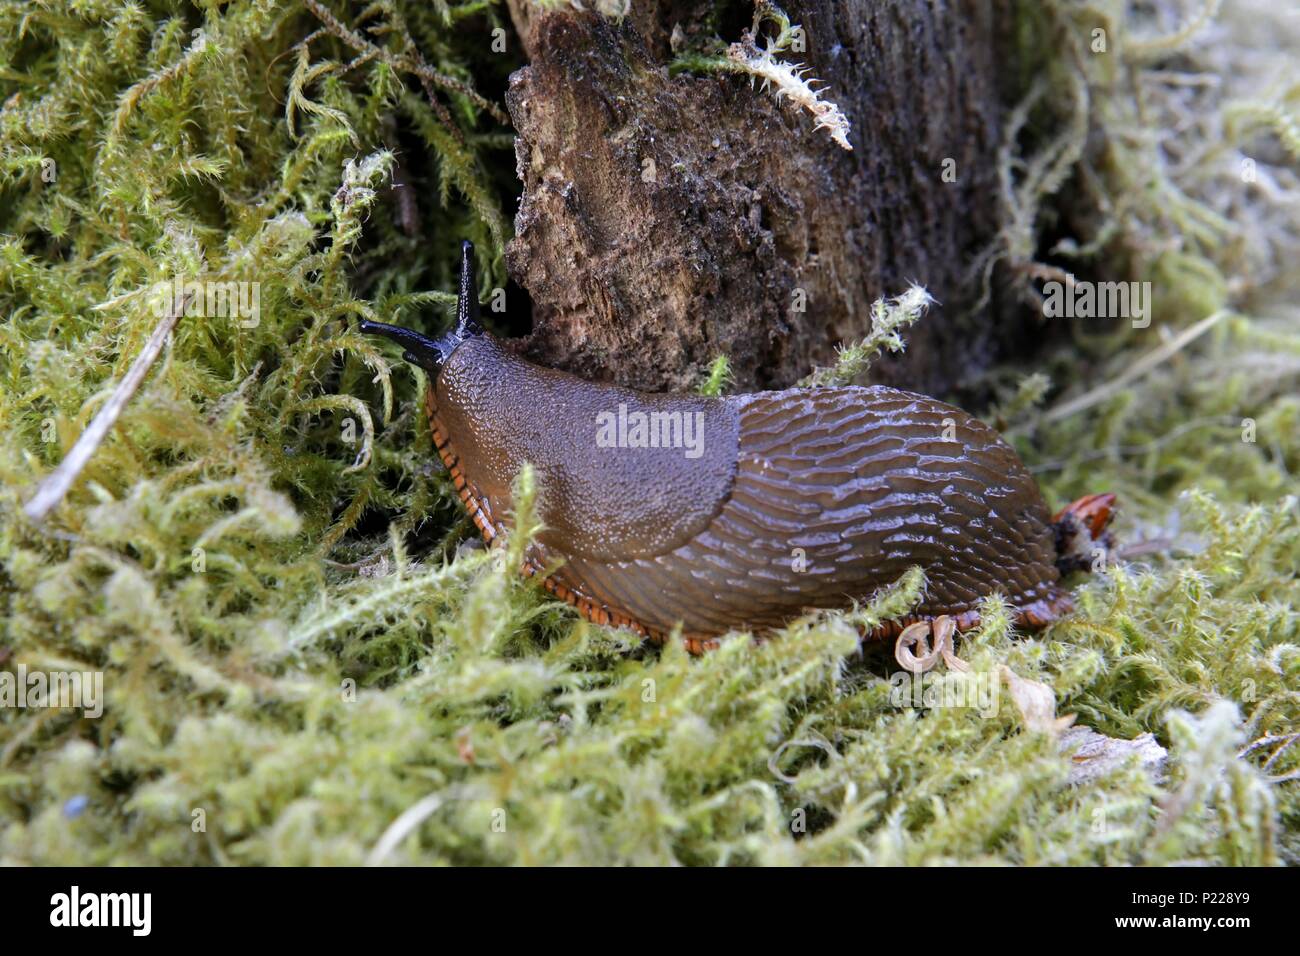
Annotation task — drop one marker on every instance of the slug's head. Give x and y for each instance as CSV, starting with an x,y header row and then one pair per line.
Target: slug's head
x,y
430,354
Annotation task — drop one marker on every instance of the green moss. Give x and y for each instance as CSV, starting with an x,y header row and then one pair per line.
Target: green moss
x,y
302,665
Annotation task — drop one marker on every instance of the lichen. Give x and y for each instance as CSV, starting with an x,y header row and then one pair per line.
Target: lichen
x,y
786,81
306,661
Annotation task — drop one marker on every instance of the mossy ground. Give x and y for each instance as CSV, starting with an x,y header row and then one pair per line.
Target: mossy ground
x,y
341,681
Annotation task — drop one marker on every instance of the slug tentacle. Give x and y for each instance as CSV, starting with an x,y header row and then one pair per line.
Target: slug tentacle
x,y
467,318
661,511
419,350
431,354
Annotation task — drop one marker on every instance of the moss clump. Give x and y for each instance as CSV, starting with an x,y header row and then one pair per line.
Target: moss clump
x,y
302,666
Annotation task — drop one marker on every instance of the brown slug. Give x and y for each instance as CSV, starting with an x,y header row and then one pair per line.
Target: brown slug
x,y
744,512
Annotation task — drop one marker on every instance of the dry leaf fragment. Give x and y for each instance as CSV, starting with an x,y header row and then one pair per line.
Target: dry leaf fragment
x,y
1093,755
1035,702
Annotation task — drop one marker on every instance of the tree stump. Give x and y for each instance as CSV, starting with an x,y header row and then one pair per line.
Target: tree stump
x,y
668,219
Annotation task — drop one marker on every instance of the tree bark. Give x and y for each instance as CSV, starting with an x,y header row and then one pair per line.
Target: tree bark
x,y
665,220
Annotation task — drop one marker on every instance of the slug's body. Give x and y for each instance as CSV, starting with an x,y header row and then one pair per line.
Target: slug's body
x,y
744,512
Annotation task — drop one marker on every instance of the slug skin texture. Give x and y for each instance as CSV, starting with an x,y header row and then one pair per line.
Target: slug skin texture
x,y
797,499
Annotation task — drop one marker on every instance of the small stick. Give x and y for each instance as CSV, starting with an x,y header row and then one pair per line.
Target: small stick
x,y
1146,546
1135,371
57,483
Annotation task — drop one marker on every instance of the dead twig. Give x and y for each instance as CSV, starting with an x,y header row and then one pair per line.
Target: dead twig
x,y
56,484
1135,371
413,62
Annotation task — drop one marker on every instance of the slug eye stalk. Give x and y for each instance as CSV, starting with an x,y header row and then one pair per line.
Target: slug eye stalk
x,y
429,353
467,301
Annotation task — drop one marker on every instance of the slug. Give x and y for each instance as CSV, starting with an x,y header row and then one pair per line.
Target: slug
x,y
714,514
